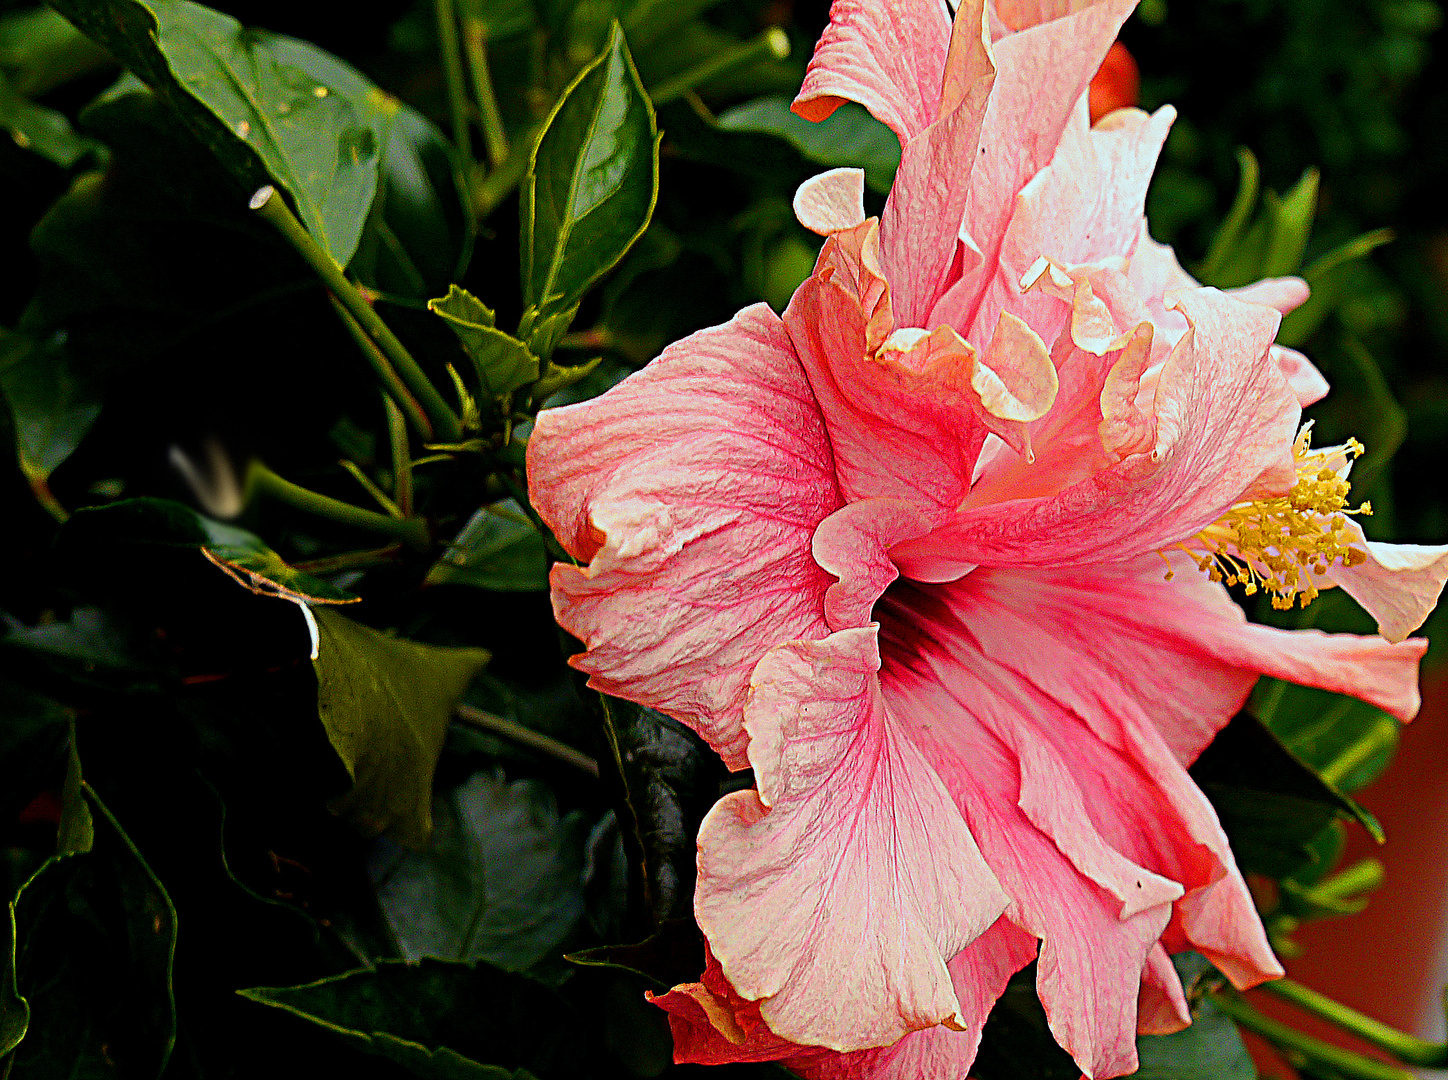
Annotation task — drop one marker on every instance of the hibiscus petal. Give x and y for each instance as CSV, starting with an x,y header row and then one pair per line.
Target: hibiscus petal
x,y
888,56
1225,420
692,490
1162,1008
831,201
1398,584
837,894
1282,294
1301,374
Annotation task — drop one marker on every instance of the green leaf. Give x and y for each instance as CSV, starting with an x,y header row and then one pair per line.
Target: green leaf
x,y
1229,236
1347,741
385,705
442,1020
1329,277
850,137
77,832
498,549
503,363
94,940
44,131
1270,803
1211,1049
592,181
265,104
1291,224
52,407
501,881
40,51
670,781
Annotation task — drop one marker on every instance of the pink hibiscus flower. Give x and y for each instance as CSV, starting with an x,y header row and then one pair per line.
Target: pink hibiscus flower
x,y
940,555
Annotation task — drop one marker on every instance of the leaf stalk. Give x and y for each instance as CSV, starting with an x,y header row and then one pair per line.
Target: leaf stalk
x,y
1297,1043
274,209
413,531
1404,1047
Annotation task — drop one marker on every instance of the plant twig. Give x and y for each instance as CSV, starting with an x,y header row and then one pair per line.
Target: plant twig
x,y
475,44
773,44
1295,1042
391,381
452,67
526,736
274,209
401,457
1404,1047
412,531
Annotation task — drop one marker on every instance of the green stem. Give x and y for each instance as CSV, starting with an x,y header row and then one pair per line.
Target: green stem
x,y
490,119
379,496
526,736
452,66
351,560
496,186
1289,1038
40,487
391,381
412,531
401,457
266,203
773,44
1409,1048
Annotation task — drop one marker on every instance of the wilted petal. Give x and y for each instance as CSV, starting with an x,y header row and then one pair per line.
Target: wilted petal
x,y
1398,584
838,892
691,491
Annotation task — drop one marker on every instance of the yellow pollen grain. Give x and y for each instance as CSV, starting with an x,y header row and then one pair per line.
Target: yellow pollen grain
x,y
1277,545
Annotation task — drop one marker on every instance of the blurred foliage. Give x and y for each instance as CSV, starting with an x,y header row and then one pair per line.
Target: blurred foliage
x,y
483,206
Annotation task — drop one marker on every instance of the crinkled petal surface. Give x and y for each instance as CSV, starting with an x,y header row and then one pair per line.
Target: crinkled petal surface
x,y
691,492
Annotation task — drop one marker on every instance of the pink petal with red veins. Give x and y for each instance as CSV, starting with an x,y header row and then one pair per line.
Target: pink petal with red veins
x,y
708,1017
1398,584
853,544
888,56
832,201
1282,294
896,431
692,490
837,894
1042,72
1225,420
1162,1008
1304,378
922,244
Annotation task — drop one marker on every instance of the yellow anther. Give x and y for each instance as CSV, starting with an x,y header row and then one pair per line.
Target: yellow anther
x,y
1276,545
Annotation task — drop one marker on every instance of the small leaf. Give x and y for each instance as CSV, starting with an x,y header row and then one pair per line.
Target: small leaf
x,y
1347,741
1229,236
591,183
1211,1049
385,704
77,832
503,363
501,881
850,137
85,925
442,1020
498,549
1271,805
266,105
38,129
253,565
52,407
1291,223
1329,277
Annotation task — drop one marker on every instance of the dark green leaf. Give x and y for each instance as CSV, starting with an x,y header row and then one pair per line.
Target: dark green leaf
x,y
1211,1049
44,131
501,881
40,51
1271,805
95,935
1229,236
498,549
670,781
503,363
591,182
385,705
248,92
442,1020
1291,224
850,137
1329,277
672,955
77,831
51,405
